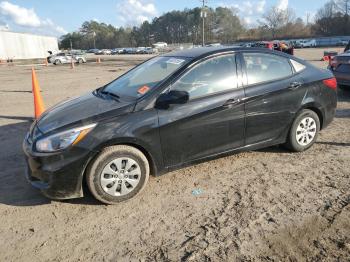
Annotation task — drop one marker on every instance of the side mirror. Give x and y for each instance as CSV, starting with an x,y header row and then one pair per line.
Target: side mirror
x,y
172,97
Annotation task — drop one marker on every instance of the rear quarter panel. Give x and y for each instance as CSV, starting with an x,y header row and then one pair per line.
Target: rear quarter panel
x,y
318,95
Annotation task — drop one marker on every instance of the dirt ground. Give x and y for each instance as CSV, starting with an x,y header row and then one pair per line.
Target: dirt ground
x,y
266,205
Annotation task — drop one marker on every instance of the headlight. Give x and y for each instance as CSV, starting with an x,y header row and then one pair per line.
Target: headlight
x,y
64,139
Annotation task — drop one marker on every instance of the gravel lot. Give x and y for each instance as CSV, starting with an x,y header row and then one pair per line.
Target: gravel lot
x,y
266,205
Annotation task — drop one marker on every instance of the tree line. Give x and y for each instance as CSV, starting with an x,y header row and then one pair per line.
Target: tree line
x,y
222,25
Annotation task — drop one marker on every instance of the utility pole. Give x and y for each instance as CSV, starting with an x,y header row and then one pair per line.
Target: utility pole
x,y
94,35
203,16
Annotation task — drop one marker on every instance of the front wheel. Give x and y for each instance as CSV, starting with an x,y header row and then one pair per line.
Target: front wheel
x,y
304,131
118,174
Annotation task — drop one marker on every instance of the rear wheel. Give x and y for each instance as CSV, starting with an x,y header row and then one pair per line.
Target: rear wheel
x,y
57,62
80,61
118,174
304,131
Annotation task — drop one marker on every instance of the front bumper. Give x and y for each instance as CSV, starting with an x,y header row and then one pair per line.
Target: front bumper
x,y
59,175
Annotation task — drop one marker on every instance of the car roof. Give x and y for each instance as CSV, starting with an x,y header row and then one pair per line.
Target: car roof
x,y
204,51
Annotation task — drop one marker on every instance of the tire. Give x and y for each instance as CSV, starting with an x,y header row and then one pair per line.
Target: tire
x,y
108,189
57,62
80,61
300,139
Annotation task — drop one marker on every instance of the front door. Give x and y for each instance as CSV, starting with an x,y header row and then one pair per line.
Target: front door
x,y
212,121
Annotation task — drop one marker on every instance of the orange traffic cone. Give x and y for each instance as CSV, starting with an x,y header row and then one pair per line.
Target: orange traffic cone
x,y
72,64
38,100
46,63
98,60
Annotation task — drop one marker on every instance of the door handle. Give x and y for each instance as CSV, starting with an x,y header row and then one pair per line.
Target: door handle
x,y
231,102
294,85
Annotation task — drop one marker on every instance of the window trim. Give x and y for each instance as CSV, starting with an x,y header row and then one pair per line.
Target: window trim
x,y
245,73
201,60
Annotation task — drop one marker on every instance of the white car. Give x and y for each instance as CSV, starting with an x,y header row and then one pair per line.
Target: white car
x,y
308,43
66,58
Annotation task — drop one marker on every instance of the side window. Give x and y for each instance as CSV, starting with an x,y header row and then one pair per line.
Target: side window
x,y
210,76
265,67
297,66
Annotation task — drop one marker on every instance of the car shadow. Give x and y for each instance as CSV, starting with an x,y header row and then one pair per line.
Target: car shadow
x,y
274,149
14,188
333,143
342,113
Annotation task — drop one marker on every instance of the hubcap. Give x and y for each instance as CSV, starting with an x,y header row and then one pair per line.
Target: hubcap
x,y
120,176
306,131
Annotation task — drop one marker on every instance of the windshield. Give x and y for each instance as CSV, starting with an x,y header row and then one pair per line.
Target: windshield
x,y
140,80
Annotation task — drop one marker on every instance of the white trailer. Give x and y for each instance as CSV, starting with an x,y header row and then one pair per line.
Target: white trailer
x,y
26,46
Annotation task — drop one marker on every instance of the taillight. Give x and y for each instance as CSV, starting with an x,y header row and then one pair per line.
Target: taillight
x,y
331,83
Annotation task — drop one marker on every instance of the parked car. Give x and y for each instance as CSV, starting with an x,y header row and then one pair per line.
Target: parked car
x,y
93,51
148,50
130,50
140,50
283,46
342,43
308,43
66,58
103,52
296,43
347,47
117,51
263,44
106,51
340,66
175,110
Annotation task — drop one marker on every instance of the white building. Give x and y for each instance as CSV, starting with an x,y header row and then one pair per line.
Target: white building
x,y
26,46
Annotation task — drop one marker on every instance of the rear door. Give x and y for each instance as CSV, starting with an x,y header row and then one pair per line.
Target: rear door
x,y
273,95
212,121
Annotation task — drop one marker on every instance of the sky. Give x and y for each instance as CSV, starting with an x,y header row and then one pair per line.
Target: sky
x,y
60,17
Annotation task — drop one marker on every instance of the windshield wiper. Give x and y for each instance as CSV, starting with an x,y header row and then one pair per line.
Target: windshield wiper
x,y
110,94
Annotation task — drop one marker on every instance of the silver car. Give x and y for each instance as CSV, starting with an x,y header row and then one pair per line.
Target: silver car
x,y
66,58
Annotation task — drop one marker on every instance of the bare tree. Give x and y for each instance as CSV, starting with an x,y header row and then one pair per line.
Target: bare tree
x,y
342,6
275,19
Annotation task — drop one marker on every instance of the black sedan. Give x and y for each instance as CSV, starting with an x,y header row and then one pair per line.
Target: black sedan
x,y
175,110
340,65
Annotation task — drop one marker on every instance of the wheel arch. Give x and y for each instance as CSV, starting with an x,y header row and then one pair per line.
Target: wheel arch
x,y
317,109
155,165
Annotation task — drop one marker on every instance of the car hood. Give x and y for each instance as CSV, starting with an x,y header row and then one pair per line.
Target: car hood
x,y
86,109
